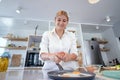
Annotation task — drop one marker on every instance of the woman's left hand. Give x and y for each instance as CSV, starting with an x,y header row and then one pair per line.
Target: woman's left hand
x,y
69,57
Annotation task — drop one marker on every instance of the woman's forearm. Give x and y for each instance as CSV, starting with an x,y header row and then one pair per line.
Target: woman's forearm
x,y
45,56
50,56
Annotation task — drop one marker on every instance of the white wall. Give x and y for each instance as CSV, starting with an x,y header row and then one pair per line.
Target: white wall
x,y
112,44
116,29
88,36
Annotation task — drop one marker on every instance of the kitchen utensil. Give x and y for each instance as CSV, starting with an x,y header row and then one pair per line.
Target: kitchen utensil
x,y
59,66
55,75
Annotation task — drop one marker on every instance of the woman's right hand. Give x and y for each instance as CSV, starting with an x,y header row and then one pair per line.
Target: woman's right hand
x,y
60,55
53,57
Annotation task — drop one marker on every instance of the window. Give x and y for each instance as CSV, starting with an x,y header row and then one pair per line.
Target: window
x,y
3,44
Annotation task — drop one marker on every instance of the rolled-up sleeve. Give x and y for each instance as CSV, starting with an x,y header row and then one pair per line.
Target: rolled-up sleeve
x,y
44,43
73,46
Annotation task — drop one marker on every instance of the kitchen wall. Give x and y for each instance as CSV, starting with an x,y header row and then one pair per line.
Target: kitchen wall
x,y
88,36
112,44
116,29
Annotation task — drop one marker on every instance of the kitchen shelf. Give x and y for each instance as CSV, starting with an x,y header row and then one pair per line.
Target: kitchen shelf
x,y
17,39
14,48
102,42
104,50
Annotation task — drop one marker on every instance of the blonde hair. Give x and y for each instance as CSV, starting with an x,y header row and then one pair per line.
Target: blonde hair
x,y
62,12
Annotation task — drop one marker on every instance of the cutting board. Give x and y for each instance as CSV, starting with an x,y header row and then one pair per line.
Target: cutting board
x,y
16,60
112,74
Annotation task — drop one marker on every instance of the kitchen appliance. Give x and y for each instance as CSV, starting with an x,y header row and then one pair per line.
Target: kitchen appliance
x,y
93,54
78,74
32,59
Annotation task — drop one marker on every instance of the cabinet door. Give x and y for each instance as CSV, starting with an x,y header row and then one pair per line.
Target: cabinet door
x,y
16,60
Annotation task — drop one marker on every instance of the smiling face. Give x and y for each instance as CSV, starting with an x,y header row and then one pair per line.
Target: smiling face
x,y
61,20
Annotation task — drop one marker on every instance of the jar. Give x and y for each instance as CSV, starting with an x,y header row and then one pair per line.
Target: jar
x,y
4,64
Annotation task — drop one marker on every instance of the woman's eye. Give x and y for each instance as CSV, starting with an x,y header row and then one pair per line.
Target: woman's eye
x,y
58,20
64,20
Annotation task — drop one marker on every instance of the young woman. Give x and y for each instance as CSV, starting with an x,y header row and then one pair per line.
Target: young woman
x,y
59,45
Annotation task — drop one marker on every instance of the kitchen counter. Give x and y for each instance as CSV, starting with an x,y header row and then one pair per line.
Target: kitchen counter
x,y
32,75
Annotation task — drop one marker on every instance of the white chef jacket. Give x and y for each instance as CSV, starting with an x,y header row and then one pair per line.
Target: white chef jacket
x,y
51,43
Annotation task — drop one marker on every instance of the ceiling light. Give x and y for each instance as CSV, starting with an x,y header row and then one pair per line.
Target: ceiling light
x,y
93,1
97,27
108,19
18,10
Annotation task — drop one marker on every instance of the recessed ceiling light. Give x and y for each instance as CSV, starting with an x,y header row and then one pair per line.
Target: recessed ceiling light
x,y
93,1
108,19
97,27
18,10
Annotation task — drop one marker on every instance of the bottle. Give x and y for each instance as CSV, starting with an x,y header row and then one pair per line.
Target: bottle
x,y
116,61
110,63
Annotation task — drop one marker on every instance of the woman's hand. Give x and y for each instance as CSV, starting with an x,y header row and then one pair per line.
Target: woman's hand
x,y
50,56
66,56
54,58
60,55
69,57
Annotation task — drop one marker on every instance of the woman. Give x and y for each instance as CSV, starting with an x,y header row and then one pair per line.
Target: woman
x,y
59,45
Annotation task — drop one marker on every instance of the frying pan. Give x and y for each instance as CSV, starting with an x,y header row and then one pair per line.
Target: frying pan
x,y
55,75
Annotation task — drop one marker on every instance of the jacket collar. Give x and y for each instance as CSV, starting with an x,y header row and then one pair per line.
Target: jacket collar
x,y
54,32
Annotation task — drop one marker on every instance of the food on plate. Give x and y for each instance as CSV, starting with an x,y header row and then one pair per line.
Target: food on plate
x,y
71,74
76,72
65,75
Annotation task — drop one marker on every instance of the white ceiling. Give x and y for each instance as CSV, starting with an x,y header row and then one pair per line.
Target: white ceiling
x,y
79,10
